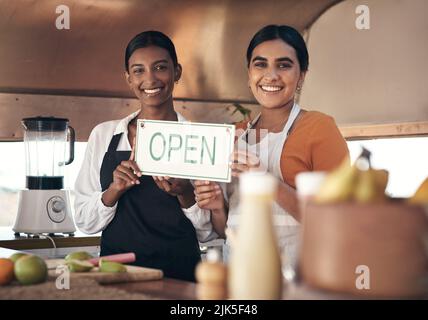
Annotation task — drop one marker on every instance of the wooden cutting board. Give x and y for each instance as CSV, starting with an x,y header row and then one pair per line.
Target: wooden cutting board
x,y
133,274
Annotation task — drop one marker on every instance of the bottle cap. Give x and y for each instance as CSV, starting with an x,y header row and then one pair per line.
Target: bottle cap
x,y
257,183
308,183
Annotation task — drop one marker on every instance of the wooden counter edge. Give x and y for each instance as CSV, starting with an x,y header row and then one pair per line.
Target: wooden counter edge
x,y
38,243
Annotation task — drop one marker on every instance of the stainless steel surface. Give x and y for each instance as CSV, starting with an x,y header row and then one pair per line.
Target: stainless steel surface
x,y
211,37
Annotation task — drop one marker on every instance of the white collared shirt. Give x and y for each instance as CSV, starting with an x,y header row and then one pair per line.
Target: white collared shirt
x,y
91,215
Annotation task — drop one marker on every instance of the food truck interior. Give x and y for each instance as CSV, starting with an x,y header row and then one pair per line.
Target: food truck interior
x,y
64,59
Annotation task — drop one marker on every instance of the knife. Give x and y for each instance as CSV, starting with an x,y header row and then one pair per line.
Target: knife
x,y
121,257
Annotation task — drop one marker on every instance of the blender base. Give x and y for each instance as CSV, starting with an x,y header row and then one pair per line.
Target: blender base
x,y
44,211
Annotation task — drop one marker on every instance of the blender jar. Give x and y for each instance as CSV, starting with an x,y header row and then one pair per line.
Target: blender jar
x,y
45,141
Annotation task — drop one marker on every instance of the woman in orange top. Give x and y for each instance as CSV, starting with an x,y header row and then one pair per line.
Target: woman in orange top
x,y
296,140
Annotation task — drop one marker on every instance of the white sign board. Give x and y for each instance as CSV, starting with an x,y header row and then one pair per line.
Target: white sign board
x,y
189,150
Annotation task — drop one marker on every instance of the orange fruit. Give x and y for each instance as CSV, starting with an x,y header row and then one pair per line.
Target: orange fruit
x,y
6,271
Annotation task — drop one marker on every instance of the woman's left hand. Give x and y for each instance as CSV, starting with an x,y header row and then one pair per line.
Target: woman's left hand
x,y
173,186
243,161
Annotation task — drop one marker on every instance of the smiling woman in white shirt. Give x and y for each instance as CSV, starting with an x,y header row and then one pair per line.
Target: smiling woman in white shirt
x,y
153,217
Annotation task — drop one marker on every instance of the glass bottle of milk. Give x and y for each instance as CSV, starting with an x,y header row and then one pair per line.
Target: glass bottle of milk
x,y
255,264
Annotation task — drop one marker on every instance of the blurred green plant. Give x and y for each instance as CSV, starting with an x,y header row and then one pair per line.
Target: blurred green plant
x,y
245,112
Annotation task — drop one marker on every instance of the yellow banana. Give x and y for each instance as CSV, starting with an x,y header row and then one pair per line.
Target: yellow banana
x,y
381,177
370,186
338,185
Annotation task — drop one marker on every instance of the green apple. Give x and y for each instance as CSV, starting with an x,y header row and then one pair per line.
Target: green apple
x,y
30,270
79,265
14,257
78,255
110,266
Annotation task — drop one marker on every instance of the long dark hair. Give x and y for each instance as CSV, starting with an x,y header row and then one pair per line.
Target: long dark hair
x,y
287,34
150,38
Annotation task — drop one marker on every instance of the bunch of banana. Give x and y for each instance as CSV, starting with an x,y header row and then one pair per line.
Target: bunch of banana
x,y
421,194
351,183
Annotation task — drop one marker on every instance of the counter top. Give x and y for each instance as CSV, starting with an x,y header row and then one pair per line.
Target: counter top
x,y
172,289
165,288
9,240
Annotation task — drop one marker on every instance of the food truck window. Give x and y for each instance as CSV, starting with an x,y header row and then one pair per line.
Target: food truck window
x,y
12,176
406,159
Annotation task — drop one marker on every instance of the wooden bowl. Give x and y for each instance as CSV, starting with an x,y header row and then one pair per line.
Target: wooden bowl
x,y
340,241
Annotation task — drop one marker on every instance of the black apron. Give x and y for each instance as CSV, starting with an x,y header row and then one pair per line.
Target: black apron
x,y
150,223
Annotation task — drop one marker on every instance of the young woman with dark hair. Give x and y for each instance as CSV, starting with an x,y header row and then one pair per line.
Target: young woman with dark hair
x,y
297,140
153,217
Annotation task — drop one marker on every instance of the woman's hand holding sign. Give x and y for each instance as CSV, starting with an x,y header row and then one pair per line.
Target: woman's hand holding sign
x,y
173,186
125,176
243,161
180,188
209,196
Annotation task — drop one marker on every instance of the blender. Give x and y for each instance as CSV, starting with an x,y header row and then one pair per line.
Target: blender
x,y
44,206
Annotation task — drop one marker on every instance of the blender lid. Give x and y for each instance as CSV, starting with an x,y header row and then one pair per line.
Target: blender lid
x,y
45,124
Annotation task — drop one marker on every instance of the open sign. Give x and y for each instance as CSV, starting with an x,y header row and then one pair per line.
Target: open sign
x,y
190,150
